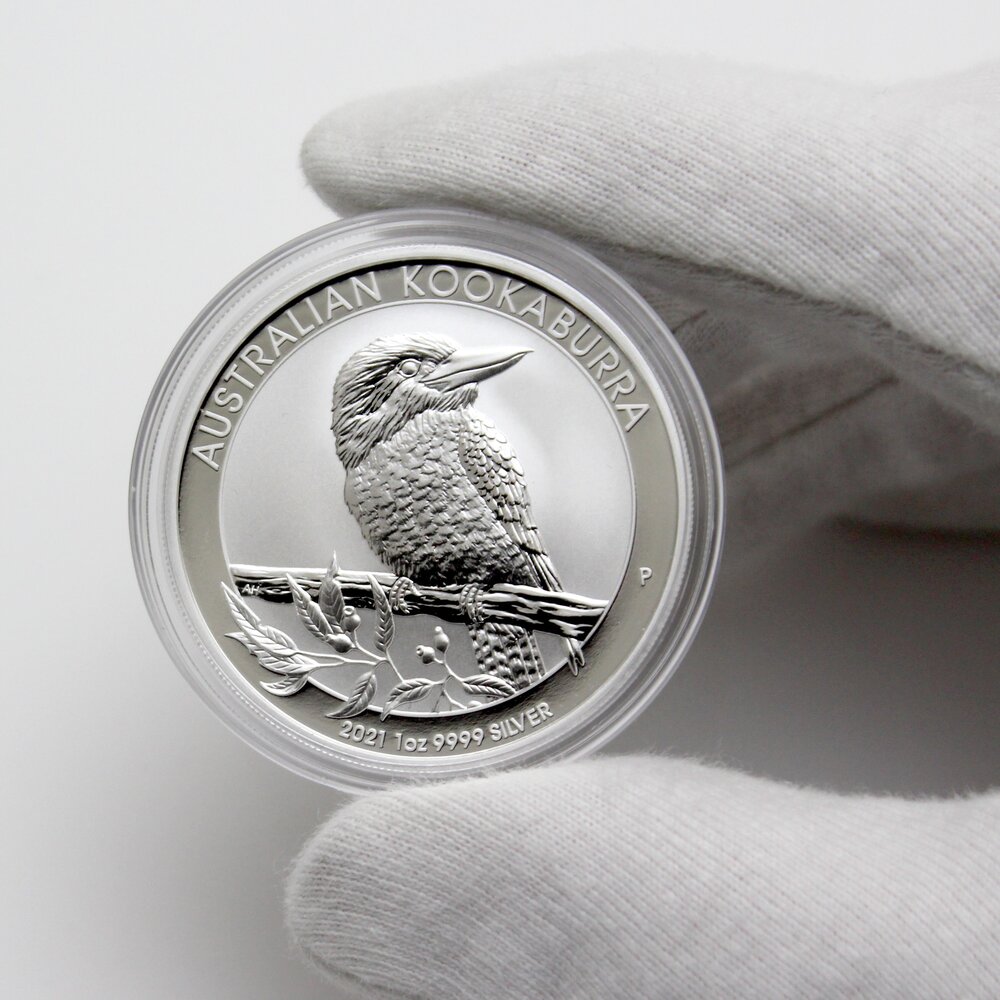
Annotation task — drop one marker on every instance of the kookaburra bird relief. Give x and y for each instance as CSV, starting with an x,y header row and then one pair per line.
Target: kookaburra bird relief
x,y
424,493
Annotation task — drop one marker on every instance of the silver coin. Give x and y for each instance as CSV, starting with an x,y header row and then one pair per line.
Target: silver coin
x,y
425,493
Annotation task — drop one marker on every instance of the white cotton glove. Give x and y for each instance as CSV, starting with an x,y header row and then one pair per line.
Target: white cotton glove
x,y
638,878
829,257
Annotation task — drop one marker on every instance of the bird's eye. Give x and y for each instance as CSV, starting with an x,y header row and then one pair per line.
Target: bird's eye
x,y
409,368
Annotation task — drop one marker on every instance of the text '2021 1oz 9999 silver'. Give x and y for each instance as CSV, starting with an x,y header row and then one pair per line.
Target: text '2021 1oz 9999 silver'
x,y
423,493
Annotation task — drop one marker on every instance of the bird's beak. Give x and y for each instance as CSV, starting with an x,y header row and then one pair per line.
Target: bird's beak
x,y
464,367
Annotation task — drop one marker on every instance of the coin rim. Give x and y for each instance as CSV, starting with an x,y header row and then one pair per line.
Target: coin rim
x,y
564,267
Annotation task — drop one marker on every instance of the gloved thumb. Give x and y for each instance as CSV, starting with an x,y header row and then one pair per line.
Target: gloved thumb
x,y
646,877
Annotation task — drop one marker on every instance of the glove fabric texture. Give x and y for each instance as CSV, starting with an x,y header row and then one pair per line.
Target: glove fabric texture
x,y
828,255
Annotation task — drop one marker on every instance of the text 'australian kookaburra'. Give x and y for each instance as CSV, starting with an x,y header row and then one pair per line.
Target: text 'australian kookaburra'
x,y
437,489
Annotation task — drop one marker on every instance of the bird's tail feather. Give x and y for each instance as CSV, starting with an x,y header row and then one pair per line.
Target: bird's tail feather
x,y
574,655
508,652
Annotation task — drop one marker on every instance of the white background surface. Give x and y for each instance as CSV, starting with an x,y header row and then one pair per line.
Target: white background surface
x,y
150,154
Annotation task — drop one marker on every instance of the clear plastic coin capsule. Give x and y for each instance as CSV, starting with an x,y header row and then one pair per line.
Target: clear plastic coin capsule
x,y
426,493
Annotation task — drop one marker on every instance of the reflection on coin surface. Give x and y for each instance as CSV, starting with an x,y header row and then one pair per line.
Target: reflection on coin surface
x,y
425,493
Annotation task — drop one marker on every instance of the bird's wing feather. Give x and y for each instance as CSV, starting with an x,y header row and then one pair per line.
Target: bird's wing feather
x,y
494,470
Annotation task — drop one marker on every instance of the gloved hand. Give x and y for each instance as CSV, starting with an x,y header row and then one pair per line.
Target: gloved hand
x,y
829,257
